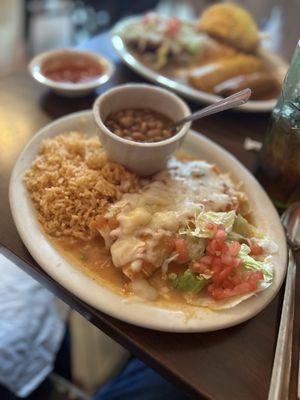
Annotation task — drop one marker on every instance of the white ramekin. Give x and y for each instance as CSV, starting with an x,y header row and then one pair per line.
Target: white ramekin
x,y
70,89
142,158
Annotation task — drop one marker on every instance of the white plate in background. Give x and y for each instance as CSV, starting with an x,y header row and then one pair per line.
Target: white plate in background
x,y
275,62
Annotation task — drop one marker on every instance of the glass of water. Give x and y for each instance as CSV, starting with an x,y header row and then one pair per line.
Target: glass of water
x,y
278,163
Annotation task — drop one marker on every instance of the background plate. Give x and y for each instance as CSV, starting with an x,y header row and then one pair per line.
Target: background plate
x,y
134,310
275,63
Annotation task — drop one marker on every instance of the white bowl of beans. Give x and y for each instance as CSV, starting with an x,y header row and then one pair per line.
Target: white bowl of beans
x,y
134,124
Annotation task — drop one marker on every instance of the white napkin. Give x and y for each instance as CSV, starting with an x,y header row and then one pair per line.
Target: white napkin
x,y
32,325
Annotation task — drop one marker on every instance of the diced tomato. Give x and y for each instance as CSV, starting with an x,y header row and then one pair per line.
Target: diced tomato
x,y
226,259
247,283
173,27
217,262
254,275
238,262
256,250
229,260
216,268
149,18
234,248
214,248
227,284
220,235
211,226
182,250
222,261
199,267
222,275
207,260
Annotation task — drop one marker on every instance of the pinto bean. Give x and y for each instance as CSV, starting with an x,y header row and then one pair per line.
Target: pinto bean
x,y
140,124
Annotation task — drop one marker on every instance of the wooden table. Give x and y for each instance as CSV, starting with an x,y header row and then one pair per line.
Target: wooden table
x,y
231,364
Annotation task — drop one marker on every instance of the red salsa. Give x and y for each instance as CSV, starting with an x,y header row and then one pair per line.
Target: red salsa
x,y
73,68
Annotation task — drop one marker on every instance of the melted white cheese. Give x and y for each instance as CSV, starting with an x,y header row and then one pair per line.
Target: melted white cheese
x,y
126,249
163,205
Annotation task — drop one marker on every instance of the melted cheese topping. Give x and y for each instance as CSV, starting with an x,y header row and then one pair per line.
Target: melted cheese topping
x,y
163,205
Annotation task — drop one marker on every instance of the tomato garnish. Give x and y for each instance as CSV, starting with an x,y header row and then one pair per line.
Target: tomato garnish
x,y
234,248
199,267
182,250
207,260
220,235
211,226
173,26
256,250
248,283
222,261
150,19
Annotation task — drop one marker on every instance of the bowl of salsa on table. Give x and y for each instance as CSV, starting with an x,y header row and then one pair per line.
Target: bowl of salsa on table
x,y
71,73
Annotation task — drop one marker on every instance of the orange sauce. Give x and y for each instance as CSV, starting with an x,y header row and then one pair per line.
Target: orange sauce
x,y
93,259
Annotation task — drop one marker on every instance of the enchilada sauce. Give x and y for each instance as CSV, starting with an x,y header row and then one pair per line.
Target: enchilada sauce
x,y
93,259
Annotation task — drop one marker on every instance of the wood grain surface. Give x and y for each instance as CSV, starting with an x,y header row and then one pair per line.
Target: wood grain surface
x,y
231,364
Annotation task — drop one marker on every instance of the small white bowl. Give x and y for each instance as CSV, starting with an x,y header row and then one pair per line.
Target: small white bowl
x,y
141,158
70,89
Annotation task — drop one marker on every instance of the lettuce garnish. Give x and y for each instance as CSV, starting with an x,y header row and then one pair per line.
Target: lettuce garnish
x,y
189,281
243,228
237,228
252,264
226,219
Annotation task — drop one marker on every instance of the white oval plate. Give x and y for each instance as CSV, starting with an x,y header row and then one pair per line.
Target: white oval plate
x,y
134,310
275,63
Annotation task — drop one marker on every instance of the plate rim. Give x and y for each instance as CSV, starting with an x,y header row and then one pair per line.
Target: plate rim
x,y
153,317
258,106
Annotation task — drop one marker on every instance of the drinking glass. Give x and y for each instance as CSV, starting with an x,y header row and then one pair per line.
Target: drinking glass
x,y
278,163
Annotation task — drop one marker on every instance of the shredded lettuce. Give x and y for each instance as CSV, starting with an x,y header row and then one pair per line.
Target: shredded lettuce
x,y
267,245
243,231
236,236
250,263
188,281
192,44
243,228
226,219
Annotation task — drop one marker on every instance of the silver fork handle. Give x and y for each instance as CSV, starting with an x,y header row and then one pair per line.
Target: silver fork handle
x,y
280,379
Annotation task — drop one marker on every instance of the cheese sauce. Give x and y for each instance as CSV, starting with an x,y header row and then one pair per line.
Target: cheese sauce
x,y
162,207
